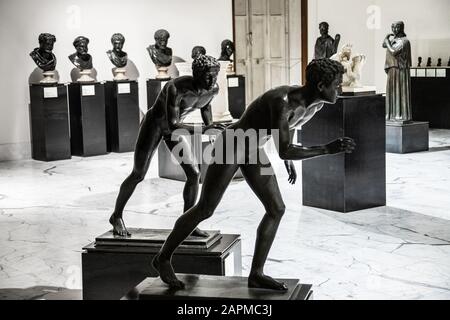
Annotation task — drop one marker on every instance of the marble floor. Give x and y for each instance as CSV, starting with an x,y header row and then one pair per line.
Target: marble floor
x,y
49,211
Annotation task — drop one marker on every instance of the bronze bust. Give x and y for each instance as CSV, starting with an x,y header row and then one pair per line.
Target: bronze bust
x,y
227,50
43,56
81,59
160,53
118,57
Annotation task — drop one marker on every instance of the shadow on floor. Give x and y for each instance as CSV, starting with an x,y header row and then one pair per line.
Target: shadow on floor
x,y
40,293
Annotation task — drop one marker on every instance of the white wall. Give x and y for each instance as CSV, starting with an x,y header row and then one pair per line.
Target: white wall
x,y
192,22
427,26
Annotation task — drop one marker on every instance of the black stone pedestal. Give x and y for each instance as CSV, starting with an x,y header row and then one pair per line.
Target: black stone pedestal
x,y
113,268
407,137
236,95
217,288
347,182
122,115
49,122
87,119
169,168
154,87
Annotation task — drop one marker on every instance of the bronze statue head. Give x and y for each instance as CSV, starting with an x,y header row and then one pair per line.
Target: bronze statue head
x,y
323,28
398,29
161,38
117,40
81,45
46,42
325,77
205,70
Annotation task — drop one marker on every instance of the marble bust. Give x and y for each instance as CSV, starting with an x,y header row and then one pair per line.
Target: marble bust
x,y
81,59
197,51
118,57
227,50
160,53
352,64
326,46
43,56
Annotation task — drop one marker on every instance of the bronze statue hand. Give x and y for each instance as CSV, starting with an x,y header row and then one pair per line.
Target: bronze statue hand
x,y
217,126
340,145
290,167
338,37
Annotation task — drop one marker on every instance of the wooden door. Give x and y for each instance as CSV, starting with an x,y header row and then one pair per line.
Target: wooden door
x,y
268,43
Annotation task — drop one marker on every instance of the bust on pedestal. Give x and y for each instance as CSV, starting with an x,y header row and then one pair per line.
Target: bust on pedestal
x,y
49,118
161,54
44,57
82,60
402,134
118,57
227,50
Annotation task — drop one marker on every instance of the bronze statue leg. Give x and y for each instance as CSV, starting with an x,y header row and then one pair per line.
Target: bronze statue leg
x,y
148,140
217,178
192,172
263,182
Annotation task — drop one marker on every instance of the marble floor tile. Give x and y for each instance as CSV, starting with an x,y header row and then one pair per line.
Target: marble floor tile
x,y
49,211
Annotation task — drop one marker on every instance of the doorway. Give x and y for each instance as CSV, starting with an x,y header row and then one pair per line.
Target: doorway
x,y
268,37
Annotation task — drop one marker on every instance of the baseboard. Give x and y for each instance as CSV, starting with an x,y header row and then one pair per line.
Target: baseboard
x,y
15,151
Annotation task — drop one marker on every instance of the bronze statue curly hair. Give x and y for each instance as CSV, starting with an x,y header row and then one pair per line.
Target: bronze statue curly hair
x,y
323,70
204,63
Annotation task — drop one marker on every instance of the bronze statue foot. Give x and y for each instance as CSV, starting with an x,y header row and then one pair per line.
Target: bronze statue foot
x,y
199,233
119,228
166,273
262,281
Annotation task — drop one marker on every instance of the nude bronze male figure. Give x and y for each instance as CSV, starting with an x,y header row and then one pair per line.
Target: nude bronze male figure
x,y
178,98
278,111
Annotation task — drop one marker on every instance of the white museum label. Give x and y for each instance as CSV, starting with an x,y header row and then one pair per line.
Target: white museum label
x,y
123,88
420,73
229,265
233,82
51,92
87,91
430,73
441,73
413,72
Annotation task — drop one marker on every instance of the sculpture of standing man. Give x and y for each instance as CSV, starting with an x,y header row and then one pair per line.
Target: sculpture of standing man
x,y
326,46
161,54
398,64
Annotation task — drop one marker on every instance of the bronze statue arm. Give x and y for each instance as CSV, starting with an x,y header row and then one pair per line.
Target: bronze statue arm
x,y
289,164
388,45
289,151
173,112
207,115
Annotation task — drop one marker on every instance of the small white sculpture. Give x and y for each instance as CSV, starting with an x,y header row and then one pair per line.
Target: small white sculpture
x,y
353,66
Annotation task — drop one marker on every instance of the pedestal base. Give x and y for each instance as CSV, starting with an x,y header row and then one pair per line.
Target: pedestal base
x,y
214,287
169,168
236,95
347,182
87,119
110,271
49,122
407,137
154,87
122,115
358,91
